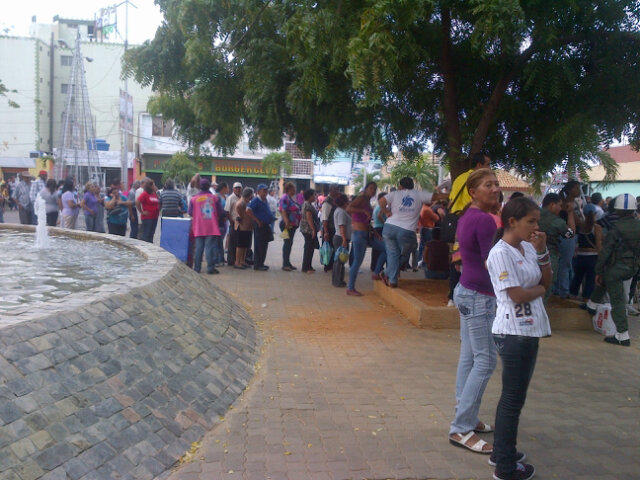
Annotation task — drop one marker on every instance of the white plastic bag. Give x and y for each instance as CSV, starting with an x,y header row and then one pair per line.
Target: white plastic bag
x,y
602,321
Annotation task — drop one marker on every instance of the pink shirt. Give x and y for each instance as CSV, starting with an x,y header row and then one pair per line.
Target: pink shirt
x,y
204,217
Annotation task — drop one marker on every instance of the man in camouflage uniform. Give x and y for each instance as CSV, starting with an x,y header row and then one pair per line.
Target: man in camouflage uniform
x,y
619,260
556,229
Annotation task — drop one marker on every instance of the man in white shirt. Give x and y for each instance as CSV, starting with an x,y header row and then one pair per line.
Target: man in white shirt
x,y
229,207
402,208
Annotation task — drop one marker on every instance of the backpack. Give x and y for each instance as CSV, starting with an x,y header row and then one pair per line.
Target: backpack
x,y
449,224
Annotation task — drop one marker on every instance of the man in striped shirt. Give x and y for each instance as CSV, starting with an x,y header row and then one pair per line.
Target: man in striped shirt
x,y
171,202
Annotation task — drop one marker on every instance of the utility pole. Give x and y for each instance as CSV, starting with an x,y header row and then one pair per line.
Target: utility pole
x,y
124,159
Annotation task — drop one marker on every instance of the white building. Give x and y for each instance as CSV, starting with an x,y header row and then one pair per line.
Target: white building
x,y
39,67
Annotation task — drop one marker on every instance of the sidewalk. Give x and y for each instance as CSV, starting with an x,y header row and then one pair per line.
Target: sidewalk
x,y
348,389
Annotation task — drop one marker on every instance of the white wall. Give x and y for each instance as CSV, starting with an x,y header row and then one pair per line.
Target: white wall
x,y
18,132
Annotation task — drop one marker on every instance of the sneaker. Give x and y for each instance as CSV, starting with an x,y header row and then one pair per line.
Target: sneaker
x,y
614,341
631,310
520,457
585,306
450,303
261,268
523,471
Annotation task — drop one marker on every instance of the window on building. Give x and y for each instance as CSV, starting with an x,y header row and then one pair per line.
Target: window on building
x,y
66,60
162,127
64,88
90,30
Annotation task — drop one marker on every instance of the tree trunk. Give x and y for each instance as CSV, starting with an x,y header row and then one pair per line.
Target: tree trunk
x,y
450,102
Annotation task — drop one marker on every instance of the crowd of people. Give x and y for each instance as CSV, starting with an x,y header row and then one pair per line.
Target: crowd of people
x,y
503,260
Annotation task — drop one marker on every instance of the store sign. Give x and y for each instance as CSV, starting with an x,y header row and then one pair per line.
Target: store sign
x,y
217,166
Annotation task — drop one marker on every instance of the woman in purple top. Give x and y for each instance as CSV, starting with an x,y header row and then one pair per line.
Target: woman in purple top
x,y
290,211
476,302
90,206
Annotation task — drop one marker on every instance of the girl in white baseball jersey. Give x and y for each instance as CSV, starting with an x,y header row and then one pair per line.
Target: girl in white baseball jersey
x,y
520,272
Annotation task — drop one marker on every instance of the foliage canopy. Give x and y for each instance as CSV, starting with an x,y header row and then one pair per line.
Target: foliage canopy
x,y
180,167
277,162
535,83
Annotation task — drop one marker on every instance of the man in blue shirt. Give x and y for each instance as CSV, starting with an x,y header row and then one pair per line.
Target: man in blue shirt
x,y
259,211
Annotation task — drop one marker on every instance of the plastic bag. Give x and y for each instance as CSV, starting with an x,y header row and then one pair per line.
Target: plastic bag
x,y
602,321
326,251
342,255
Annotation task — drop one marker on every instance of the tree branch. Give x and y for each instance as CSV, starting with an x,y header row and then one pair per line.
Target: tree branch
x,y
450,102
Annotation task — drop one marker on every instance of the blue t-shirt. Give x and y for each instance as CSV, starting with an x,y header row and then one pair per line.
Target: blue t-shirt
x,y
261,210
120,214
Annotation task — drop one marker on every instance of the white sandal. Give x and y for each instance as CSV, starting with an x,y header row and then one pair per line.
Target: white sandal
x,y
476,447
486,428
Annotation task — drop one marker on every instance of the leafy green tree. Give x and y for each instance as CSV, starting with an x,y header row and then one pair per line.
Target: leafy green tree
x,y
535,83
375,176
277,162
180,167
421,170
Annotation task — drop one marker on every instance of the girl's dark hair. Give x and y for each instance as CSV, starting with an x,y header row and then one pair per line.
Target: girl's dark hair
x,y
381,195
406,183
308,193
369,184
51,185
517,208
589,222
341,200
67,186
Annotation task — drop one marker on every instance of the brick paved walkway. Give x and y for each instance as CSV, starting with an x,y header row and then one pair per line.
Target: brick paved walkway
x,y
348,389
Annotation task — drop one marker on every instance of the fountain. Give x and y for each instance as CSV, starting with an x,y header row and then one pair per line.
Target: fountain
x,y
110,344
42,234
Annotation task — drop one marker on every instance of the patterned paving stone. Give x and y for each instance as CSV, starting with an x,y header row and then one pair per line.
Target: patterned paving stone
x,y
119,387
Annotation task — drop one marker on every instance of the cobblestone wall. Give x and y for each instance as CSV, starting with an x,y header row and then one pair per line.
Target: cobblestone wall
x,y
120,386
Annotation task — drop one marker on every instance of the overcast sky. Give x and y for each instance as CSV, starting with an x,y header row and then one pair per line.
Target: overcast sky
x,y
143,21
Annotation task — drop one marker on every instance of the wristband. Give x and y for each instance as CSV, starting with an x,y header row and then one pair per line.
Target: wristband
x,y
541,255
544,264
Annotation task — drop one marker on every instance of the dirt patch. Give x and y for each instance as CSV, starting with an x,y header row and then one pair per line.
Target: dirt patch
x,y
430,292
557,302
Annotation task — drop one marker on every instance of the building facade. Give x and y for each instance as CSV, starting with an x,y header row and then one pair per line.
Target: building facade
x,y
156,145
39,68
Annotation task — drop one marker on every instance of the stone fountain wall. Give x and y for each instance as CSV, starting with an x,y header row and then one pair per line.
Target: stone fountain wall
x,y
118,381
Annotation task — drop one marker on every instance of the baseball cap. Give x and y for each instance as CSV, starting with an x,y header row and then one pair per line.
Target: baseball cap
x,y
237,185
42,172
262,186
625,201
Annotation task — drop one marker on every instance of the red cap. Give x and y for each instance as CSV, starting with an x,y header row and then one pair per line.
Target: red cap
x,y
43,172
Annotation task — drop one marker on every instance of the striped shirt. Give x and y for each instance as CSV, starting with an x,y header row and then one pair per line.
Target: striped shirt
x,y
171,203
509,268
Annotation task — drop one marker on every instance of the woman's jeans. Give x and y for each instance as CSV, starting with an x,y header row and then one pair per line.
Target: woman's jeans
x,y
567,248
52,219
90,223
359,240
379,248
399,243
149,229
518,356
584,272
133,220
307,254
286,248
337,273
477,355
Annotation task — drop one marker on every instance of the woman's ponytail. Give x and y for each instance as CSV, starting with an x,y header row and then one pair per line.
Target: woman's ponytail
x,y
498,235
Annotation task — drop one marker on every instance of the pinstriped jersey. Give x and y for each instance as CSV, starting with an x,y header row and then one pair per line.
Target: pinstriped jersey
x,y
508,268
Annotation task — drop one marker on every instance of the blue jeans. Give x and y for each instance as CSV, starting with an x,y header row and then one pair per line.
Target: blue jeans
x,y
566,249
399,244
478,355
90,223
379,247
219,250
518,356
207,245
149,229
358,248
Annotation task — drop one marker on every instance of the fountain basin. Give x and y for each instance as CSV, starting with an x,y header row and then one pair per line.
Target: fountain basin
x,y
117,381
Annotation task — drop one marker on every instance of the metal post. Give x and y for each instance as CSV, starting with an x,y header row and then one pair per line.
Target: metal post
x,y
125,148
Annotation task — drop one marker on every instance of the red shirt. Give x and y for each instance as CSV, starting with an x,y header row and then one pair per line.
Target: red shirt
x,y
150,204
